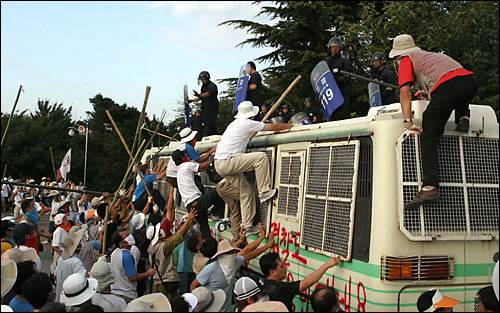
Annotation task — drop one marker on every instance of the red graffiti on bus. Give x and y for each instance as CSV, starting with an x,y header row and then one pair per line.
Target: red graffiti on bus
x,y
286,238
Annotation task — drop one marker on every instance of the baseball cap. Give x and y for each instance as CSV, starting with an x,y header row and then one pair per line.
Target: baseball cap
x,y
432,300
22,229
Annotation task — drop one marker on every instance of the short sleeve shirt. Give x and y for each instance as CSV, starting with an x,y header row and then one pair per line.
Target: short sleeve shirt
x,y
255,96
149,179
58,235
190,152
185,182
283,291
212,278
236,137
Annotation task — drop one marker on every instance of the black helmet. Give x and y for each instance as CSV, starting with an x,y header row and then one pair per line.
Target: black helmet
x,y
265,106
285,106
335,41
379,56
307,100
204,75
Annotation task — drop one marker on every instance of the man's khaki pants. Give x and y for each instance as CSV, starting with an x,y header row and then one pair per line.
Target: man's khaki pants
x,y
233,168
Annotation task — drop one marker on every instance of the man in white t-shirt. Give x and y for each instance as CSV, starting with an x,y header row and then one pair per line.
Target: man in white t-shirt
x,y
231,161
191,195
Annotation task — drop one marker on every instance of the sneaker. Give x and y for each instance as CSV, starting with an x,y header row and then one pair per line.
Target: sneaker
x,y
45,241
423,197
463,125
267,195
252,230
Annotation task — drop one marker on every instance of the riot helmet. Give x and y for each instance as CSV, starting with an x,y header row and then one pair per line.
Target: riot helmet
x,y
307,100
285,106
378,56
203,75
335,41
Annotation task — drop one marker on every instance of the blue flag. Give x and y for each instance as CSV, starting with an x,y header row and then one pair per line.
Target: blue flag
x,y
326,89
241,90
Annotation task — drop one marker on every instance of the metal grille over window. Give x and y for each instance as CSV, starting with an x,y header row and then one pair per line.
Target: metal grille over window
x,y
469,186
331,184
290,183
417,268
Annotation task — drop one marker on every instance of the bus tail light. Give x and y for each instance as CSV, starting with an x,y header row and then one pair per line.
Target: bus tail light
x,y
417,268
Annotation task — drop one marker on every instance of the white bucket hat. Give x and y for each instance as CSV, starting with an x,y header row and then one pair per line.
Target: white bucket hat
x,y
58,220
246,110
209,301
104,274
187,134
191,300
18,255
6,308
53,193
77,289
224,246
9,275
402,44
138,220
71,240
150,232
155,302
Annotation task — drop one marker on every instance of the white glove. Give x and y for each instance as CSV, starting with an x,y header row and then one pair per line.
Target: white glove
x,y
155,208
123,192
150,199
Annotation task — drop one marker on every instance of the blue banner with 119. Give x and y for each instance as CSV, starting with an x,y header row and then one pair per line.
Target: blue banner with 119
x,y
326,89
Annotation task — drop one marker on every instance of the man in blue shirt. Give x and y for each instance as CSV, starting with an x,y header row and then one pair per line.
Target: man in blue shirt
x,y
140,194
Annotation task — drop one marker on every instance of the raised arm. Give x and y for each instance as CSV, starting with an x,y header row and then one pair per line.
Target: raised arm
x,y
254,244
315,276
278,126
255,253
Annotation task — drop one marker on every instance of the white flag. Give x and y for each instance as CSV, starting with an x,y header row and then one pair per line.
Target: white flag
x,y
65,166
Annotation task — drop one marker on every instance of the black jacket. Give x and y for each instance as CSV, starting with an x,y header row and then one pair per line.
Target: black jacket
x,y
387,76
340,63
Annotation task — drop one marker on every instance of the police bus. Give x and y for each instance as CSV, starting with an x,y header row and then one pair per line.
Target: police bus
x,y
341,191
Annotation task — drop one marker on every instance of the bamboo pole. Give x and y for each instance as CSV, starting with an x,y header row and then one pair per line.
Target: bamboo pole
x,y
106,216
11,115
276,105
4,170
141,119
128,151
53,166
160,134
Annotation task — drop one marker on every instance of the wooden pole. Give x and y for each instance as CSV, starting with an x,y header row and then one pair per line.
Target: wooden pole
x,y
277,104
128,151
53,166
160,134
11,115
105,232
141,119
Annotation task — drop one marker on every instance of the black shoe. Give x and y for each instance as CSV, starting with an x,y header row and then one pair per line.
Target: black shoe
x,y
463,125
423,197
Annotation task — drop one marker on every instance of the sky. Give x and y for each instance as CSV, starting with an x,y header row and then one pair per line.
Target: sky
x,y
68,52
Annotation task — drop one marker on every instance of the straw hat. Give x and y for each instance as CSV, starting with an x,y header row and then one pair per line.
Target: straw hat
x,y
104,274
71,240
267,306
402,45
9,275
77,289
187,134
209,301
18,255
154,302
224,247
6,308
53,193
246,110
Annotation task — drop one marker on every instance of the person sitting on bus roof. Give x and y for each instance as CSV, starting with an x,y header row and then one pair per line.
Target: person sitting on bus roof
x,y
325,300
285,113
232,161
308,109
434,301
274,269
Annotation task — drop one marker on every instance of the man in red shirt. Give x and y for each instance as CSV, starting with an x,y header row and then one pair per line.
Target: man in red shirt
x,y
449,86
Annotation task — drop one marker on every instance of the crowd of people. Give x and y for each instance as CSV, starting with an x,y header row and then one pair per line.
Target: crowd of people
x,y
129,252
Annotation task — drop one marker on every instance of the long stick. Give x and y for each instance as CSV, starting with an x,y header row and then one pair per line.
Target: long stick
x,y
11,114
116,197
277,104
141,119
160,134
128,151
53,166
4,170
96,193
164,146
376,81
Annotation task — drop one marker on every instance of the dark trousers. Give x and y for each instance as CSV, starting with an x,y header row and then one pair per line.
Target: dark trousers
x,y
201,206
454,94
185,280
141,284
209,119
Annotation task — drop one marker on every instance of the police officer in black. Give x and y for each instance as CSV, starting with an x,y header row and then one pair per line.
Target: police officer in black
x,y
197,124
254,91
311,113
336,62
285,113
263,111
209,103
386,75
